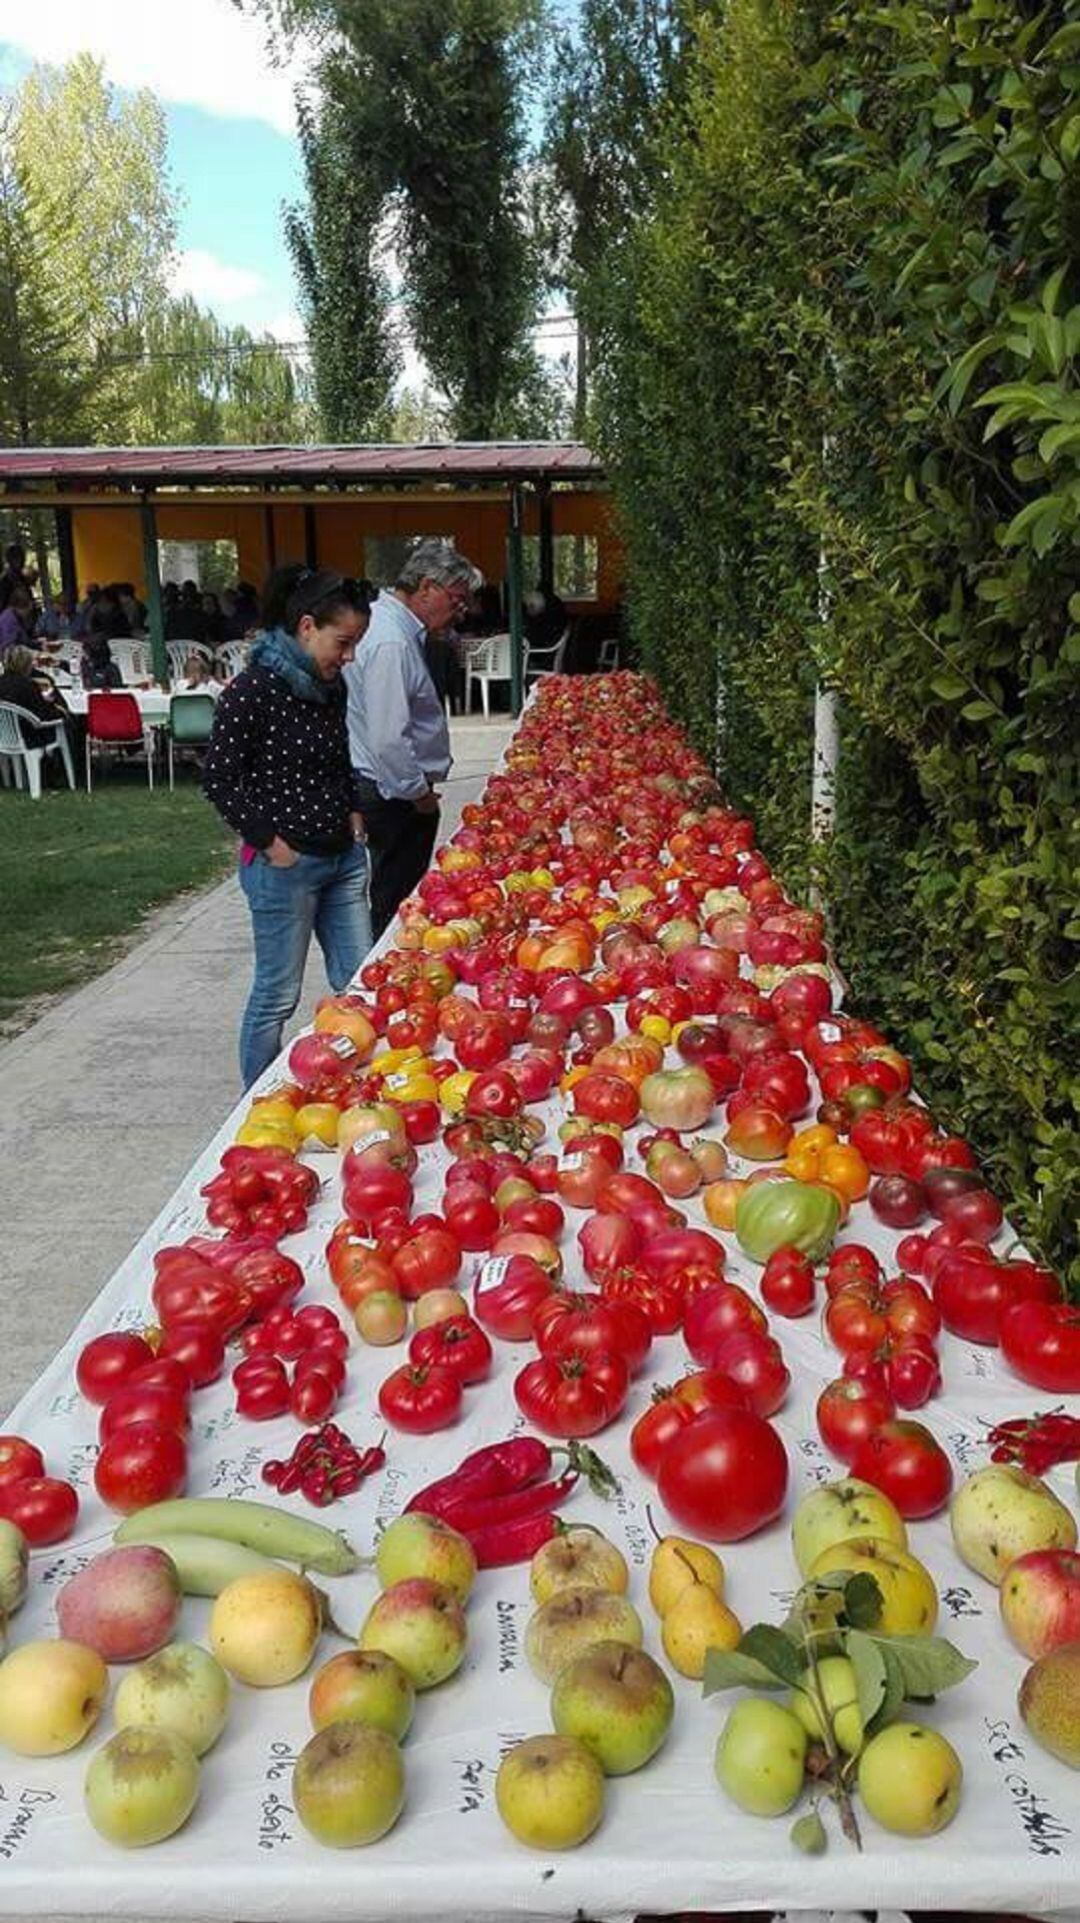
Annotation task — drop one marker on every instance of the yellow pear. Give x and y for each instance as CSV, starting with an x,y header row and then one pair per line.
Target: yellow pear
x,y
676,1563
697,1622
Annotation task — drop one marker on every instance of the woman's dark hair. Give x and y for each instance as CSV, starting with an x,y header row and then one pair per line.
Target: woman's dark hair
x,y
295,590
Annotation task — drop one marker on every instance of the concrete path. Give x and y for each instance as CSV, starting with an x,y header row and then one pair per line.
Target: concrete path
x,y
105,1102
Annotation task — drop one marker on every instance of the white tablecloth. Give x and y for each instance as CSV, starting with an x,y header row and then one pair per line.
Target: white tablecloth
x,y
670,1840
153,703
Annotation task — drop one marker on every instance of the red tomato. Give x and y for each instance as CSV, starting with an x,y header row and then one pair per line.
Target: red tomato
x,y
107,1361
848,1411
591,1325
572,1395
312,1396
494,1093
787,1282
138,1403
19,1459
601,1097
658,1303
898,1201
45,1509
459,1344
262,1395
509,1290
851,1263
270,1279
680,1248
724,1476
755,1364
717,1313
187,1289
1041,1342
913,1372
430,1260
164,1372
904,1460
709,1389
973,1290
198,1347
420,1401
140,1465
472,1216
608,1243
538,1216
652,1432
853,1320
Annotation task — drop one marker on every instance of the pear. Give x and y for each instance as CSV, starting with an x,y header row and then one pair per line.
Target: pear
x,y
697,1622
1050,1702
676,1563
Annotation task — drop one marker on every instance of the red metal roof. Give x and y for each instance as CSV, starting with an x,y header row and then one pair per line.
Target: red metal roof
x,y
461,461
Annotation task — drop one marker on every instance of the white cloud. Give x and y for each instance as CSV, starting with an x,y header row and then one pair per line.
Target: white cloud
x,y
204,53
286,327
213,282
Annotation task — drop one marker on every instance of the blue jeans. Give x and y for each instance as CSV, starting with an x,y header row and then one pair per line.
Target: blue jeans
x,y
324,893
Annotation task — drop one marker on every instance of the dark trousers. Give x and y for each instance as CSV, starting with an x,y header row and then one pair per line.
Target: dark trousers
x,y
400,844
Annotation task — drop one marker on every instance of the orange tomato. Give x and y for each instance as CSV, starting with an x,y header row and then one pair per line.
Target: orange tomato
x,y
720,1200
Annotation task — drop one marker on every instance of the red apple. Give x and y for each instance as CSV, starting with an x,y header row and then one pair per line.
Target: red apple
x,y
1040,1600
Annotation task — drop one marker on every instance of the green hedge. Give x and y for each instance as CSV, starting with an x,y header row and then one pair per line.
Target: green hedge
x,y
839,400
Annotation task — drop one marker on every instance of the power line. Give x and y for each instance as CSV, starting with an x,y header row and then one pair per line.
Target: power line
x,y
226,352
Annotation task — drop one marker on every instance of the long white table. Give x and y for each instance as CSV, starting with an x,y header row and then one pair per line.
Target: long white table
x,y
670,1840
153,702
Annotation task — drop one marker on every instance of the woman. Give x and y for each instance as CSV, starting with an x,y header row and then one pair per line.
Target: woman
x,y
34,693
17,619
277,769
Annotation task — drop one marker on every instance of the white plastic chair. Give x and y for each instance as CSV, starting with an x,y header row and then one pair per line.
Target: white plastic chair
x,y
232,658
607,655
180,652
27,760
540,661
488,660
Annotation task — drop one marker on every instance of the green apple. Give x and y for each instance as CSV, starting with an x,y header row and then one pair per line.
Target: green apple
x,y
550,1792
418,1545
618,1702
349,1785
422,1625
760,1756
182,1688
836,1680
142,1787
836,1511
910,1779
51,1693
1001,1513
363,1686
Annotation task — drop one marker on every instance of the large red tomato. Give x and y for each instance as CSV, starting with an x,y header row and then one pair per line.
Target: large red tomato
x,y
724,1476
906,1462
140,1464
43,1508
509,1290
572,1395
459,1344
421,1400
656,1428
107,1360
1041,1341
715,1314
592,1325
848,1411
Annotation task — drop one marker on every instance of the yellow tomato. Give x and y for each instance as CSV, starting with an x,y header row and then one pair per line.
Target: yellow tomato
x,y
571,1077
453,1091
541,878
403,1087
271,1108
393,1059
818,1136
843,1168
267,1135
655,1026
319,1120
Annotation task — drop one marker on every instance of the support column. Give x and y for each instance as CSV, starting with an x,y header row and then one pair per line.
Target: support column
x,y
270,539
155,613
311,545
826,756
547,539
65,543
515,609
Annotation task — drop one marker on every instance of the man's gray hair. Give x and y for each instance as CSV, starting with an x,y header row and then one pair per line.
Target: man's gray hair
x,y
437,561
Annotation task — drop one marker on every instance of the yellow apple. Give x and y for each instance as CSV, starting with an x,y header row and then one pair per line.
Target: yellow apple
x,y
835,1512
909,1602
51,1693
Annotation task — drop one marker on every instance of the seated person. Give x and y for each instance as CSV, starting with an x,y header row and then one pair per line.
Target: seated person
x,y
197,678
20,686
545,619
99,670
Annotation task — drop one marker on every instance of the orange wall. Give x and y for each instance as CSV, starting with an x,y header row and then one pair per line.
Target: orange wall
x,y
108,540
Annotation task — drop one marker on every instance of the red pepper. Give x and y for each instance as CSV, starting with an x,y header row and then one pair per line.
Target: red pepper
x,y
504,1467
480,1514
502,1544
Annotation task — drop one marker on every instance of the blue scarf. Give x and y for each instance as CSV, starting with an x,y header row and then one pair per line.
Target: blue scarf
x,y
283,655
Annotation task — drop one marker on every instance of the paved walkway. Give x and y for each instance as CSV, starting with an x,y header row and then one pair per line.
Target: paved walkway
x,y
105,1102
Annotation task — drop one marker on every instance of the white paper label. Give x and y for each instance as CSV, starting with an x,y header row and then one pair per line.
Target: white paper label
x,y
398,1080
493,1271
341,1045
578,1158
829,1032
363,1142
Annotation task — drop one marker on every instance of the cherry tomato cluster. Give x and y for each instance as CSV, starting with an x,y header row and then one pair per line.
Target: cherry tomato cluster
x,y
324,1466
44,1507
314,1342
260,1190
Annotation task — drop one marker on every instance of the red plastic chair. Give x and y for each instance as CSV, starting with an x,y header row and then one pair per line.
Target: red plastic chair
x,y
114,721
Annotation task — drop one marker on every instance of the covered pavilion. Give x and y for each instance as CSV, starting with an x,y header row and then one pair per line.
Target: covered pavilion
x,y
318,504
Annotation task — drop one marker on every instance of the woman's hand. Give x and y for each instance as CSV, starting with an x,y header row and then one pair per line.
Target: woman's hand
x,y
356,825
280,855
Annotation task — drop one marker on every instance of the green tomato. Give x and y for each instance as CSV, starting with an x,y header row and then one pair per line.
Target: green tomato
x,y
774,1215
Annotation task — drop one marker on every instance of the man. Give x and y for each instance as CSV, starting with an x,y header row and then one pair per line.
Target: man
x,y
398,737
14,572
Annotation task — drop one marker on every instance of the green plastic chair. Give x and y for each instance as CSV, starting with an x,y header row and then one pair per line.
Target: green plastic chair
x,y
191,717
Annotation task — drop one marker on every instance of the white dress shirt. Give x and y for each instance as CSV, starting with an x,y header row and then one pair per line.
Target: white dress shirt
x,y
398,737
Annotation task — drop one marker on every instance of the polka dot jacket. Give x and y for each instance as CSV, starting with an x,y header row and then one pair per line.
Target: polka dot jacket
x,y
277,765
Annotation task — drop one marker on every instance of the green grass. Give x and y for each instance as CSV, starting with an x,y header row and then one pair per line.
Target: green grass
x,y
78,874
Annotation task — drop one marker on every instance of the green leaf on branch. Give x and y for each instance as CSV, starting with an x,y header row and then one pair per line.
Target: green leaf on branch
x,y
862,1601
929,1664
730,1669
774,1651
893,1698
871,1675
949,686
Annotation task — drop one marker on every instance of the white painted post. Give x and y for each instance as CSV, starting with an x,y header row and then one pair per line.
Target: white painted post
x,y
826,754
